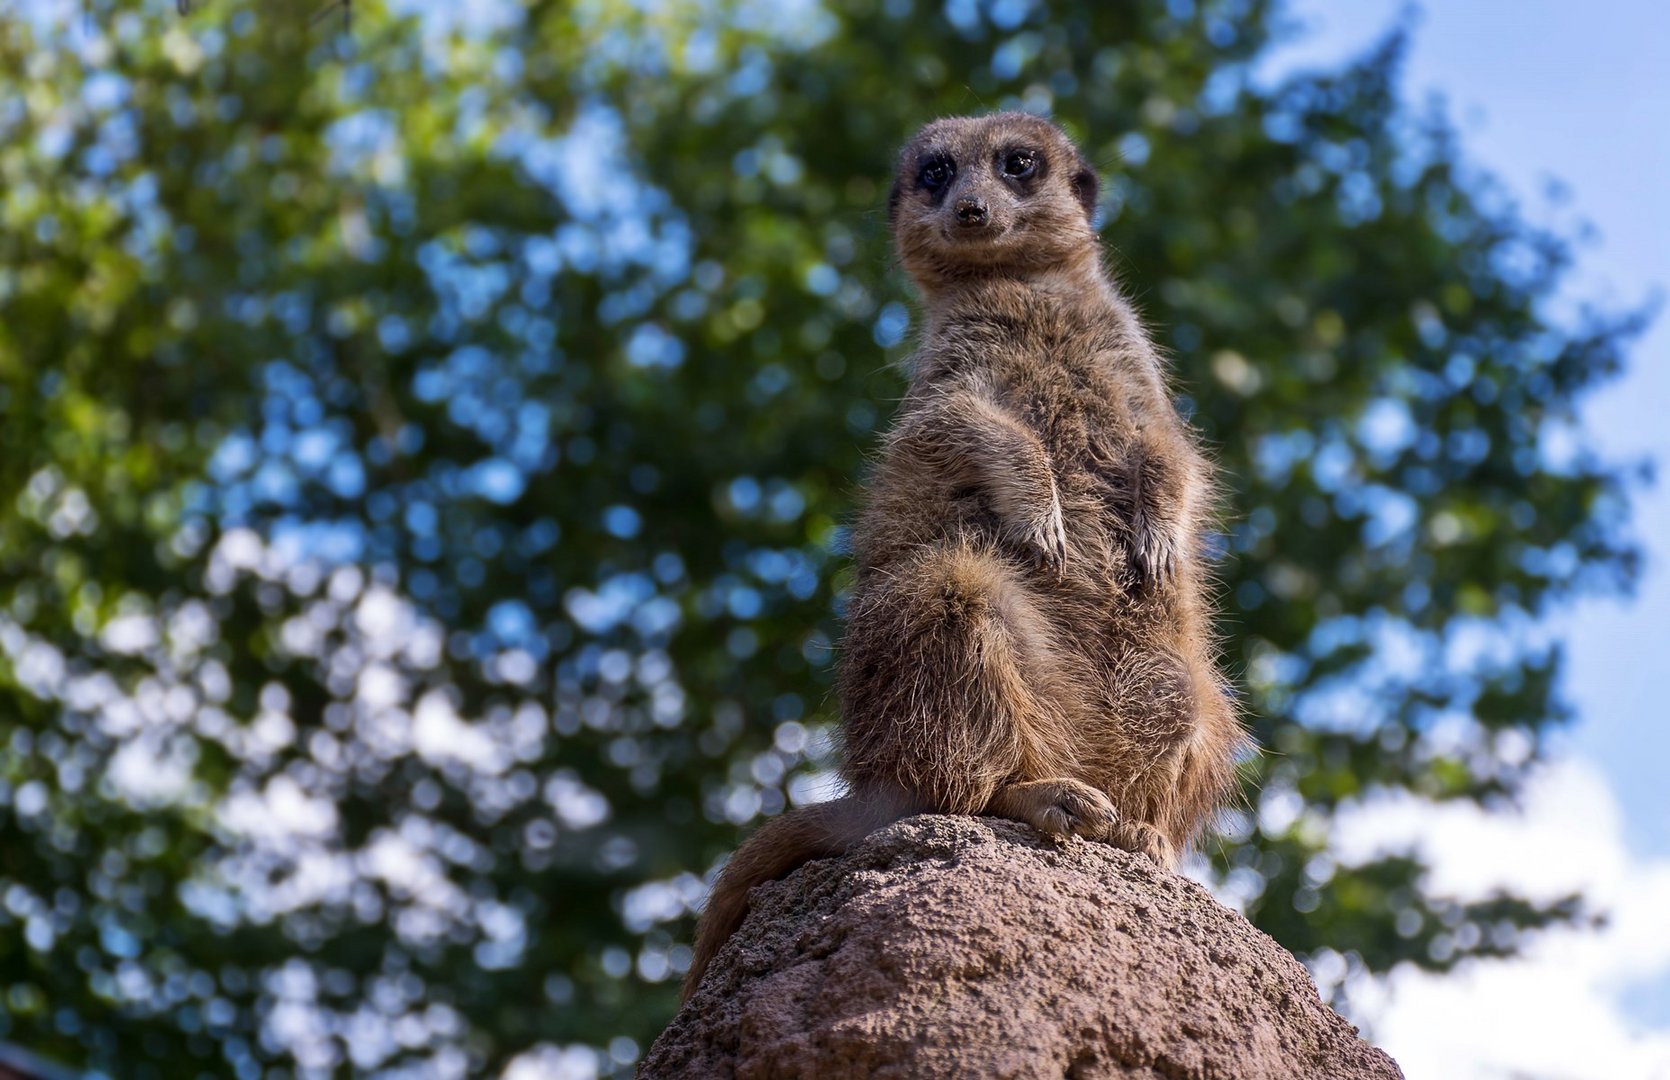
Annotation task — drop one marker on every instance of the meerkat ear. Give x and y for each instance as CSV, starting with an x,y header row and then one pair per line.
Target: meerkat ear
x,y
1086,187
893,198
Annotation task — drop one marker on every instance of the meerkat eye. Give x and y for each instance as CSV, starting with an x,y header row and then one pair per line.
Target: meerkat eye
x,y
937,173
1020,164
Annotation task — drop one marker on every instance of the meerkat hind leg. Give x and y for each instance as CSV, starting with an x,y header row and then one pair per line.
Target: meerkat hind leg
x,y
1067,807
1059,807
1144,839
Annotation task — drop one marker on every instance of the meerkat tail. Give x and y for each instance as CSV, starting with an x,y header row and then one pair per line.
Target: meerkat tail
x,y
773,851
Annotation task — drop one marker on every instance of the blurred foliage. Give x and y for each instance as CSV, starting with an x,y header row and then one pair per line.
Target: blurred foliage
x,y
424,443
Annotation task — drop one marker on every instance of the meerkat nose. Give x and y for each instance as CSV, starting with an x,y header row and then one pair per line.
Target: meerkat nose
x,y
971,211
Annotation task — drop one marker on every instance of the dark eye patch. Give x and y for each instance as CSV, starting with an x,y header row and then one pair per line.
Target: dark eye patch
x,y
937,172
1021,163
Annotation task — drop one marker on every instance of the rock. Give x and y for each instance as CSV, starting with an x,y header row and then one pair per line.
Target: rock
x,y
972,947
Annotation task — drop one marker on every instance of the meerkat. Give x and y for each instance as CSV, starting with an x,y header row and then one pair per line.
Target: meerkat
x,y
1029,632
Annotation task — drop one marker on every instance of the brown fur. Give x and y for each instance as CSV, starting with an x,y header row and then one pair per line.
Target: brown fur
x,y
1029,635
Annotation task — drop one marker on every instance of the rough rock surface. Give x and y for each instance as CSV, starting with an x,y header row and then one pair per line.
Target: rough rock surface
x,y
971,947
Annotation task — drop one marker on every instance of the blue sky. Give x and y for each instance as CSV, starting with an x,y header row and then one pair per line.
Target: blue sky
x,y
1579,93
1549,89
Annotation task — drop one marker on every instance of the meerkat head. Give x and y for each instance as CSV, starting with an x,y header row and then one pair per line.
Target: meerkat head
x,y
991,195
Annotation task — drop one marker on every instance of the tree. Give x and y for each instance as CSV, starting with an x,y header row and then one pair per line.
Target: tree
x,y
426,448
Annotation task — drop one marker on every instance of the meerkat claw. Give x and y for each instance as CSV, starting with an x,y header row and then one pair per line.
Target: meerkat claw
x,y
1049,544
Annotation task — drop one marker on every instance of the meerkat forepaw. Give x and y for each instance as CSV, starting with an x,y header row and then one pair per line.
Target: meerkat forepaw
x,y
1046,538
1156,552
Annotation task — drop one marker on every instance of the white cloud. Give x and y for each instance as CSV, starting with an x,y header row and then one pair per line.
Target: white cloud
x,y
548,1062
1560,1009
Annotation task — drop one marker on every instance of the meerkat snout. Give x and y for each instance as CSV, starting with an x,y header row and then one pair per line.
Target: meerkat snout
x,y
971,212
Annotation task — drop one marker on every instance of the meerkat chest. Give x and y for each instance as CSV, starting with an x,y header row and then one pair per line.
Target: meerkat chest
x,y
1064,374
1072,399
